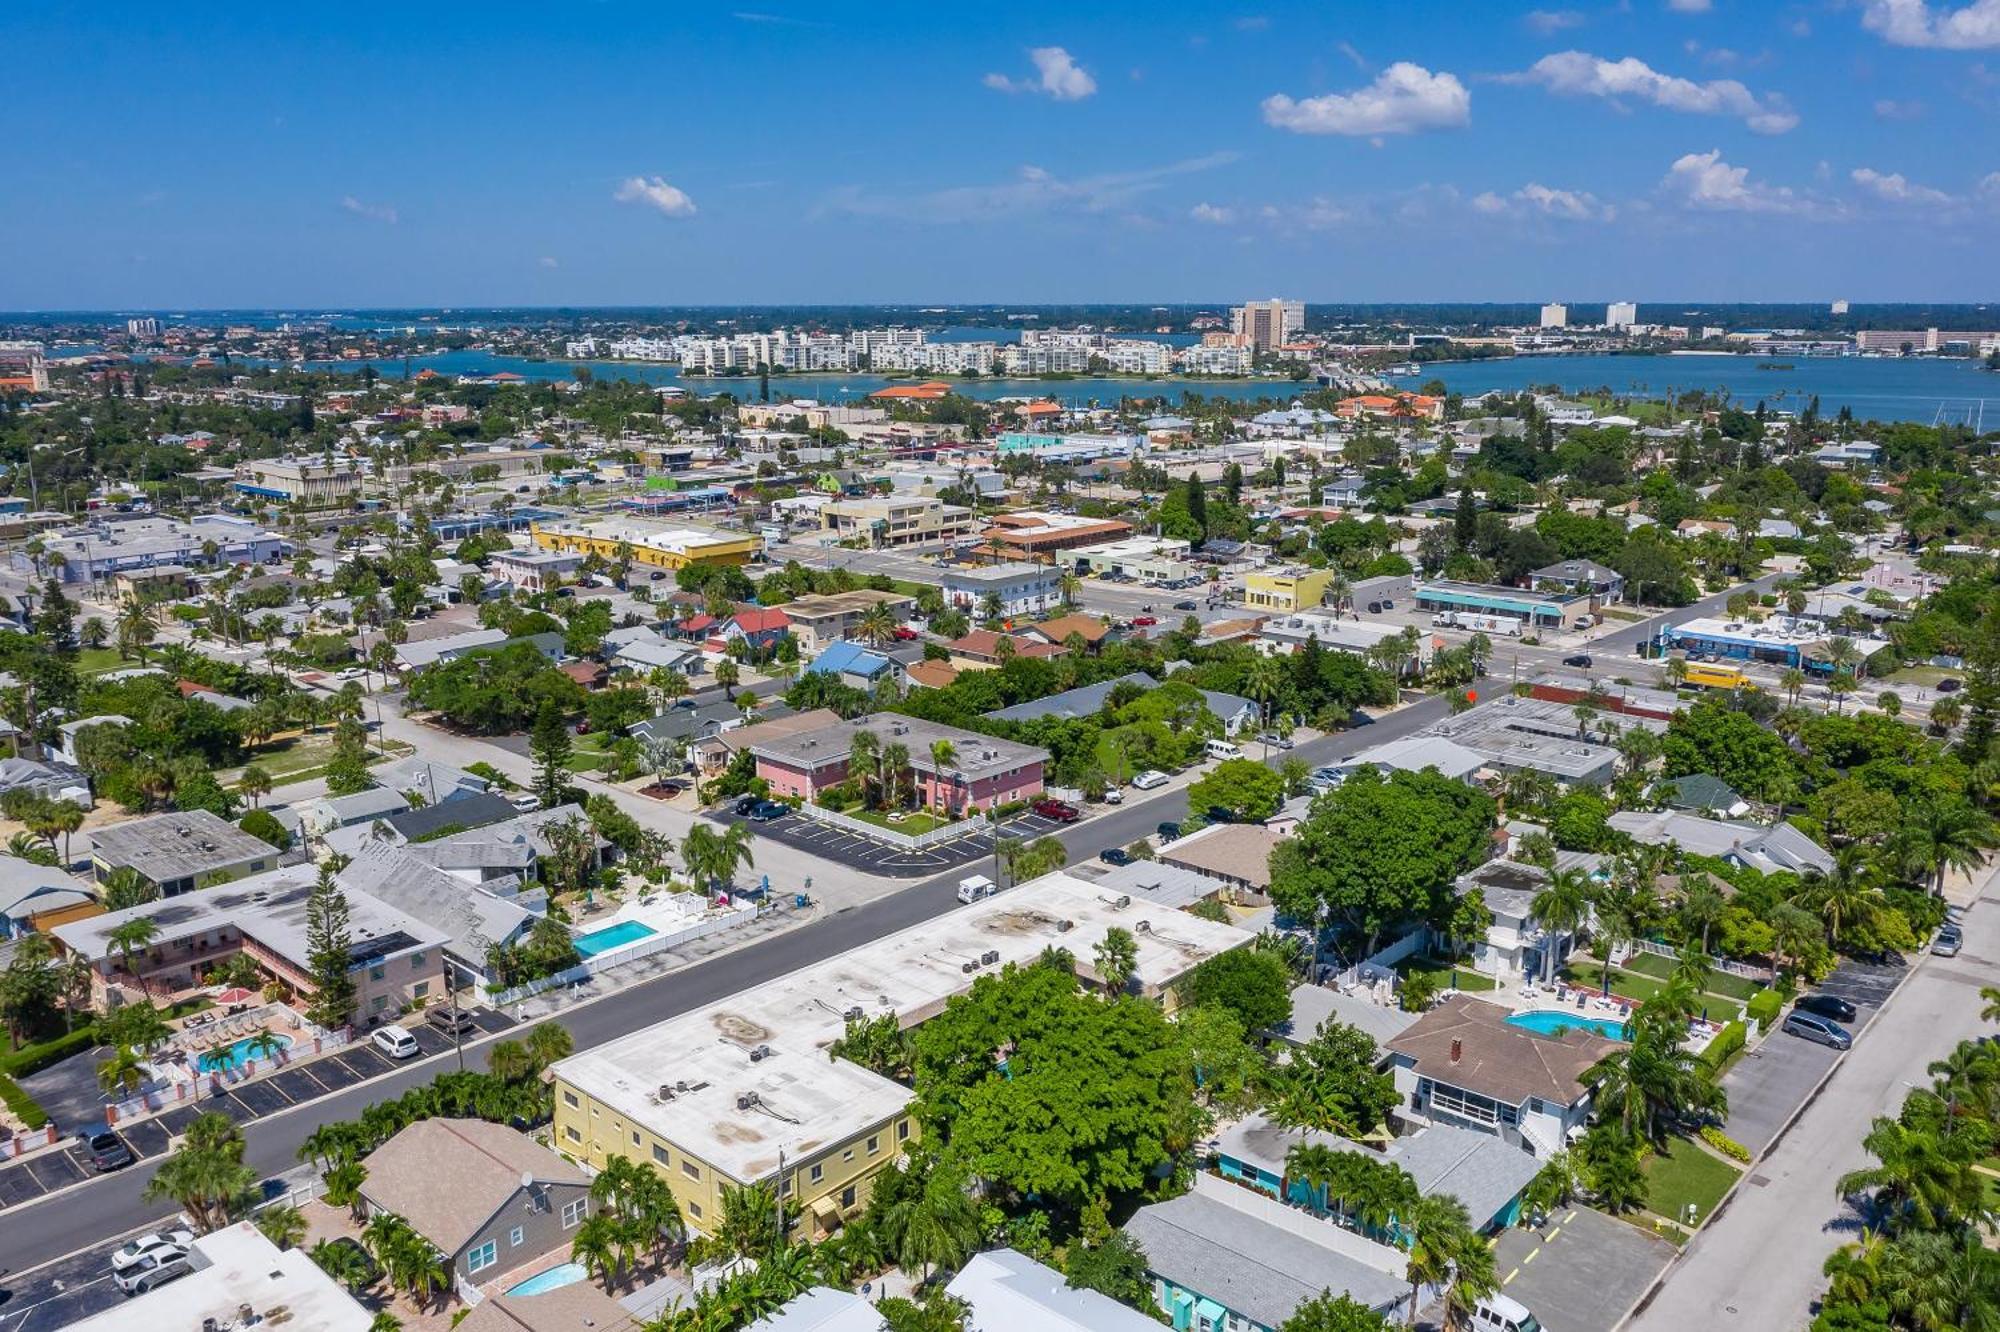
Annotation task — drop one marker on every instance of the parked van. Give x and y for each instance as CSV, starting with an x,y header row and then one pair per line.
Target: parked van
x,y
1498,1313
1222,749
395,1042
1149,779
972,889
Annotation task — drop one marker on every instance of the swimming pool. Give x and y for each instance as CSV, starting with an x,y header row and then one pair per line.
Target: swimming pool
x,y
241,1053
1548,1021
613,936
554,1279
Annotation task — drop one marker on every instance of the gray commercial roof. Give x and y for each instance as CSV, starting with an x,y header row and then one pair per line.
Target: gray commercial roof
x,y
1314,1004
178,846
1241,1257
975,755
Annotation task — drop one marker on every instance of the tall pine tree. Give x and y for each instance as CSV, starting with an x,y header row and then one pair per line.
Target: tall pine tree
x,y
1197,507
549,745
329,953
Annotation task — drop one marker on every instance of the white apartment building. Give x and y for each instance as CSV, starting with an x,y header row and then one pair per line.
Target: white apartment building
x,y
1555,316
1045,360
1206,360
868,341
1023,589
1621,314
1268,323
1138,357
937,358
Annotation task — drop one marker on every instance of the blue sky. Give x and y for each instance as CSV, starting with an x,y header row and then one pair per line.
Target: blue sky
x,y
626,153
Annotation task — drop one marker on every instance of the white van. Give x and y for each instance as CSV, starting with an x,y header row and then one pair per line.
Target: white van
x,y
395,1042
1222,749
1498,1313
978,886
1149,779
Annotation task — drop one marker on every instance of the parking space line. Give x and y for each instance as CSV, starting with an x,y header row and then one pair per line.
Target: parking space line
x,y
1510,1276
1532,1254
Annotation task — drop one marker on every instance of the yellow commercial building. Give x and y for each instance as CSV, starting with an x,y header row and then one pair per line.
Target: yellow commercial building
x,y
1288,591
655,545
743,1091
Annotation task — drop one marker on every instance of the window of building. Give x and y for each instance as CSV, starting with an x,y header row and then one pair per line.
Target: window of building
x,y
377,972
694,1210
569,1131
378,1003
420,989
847,1196
659,1153
515,1236
635,1137
573,1212
416,961
874,1144
847,1155
903,1131
483,1257
690,1169
816,1173
569,1099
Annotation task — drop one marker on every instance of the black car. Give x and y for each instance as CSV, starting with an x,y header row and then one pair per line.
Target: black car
x,y
1186,605
744,804
108,1152
1826,1006
766,810
1950,685
1581,660
1168,831
1113,855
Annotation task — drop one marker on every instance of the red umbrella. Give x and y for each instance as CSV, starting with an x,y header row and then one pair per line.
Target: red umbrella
x,y
235,996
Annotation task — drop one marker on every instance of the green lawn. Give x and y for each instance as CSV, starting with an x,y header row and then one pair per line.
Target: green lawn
x,y
303,757
1441,971
1637,988
912,824
1686,1174
96,661
1731,987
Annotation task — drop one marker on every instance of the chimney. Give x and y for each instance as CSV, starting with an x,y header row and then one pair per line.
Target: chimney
x,y
1457,1049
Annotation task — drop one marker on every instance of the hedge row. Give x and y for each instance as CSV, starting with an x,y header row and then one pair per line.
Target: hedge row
x,y
22,1105
34,1058
1726,1043
1765,1006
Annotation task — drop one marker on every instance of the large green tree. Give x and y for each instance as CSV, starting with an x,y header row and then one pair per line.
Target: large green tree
x,y
329,953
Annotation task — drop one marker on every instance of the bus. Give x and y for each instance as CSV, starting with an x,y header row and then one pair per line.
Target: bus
x,y
1706,676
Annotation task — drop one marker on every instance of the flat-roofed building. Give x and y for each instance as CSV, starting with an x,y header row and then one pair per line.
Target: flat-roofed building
x,y
106,547
1041,537
1542,610
983,771
1016,589
1145,559
897,520
234,1269
308,482
1287,591
820,621
535,570
741,1091
651,544
179,852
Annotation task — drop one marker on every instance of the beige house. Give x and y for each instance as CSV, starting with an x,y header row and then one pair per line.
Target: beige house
x,y
818,622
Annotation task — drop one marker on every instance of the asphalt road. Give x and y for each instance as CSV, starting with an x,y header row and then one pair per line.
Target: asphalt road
x,y
1756,1265
80,1219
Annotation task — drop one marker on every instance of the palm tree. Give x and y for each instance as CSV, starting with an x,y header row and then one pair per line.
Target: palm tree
x,y
123,1073
254,783
1920,1177
207,1175
548,1042
1989,1010
936,1226
1794,932
1560,909
1939,837
1438,1229
344,1263
1701,909
1675,672
597,1247
1945,714
135,629
509,1061
133,936
1845,894
944,759
1068,586
877,624
343,1186
283,1224
1793,681
895,761
864,752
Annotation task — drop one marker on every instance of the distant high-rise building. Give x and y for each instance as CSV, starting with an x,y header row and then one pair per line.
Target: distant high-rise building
x,y
1269,323
1621,314
1555,316
1840,307
143,328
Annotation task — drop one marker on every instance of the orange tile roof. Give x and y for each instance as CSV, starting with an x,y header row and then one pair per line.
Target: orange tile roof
x,y
914,392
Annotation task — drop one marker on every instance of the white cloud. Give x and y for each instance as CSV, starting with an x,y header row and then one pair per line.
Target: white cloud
x,y
548,261
1706,183
1551,21
1057,74
1887,108
1971,27
1989,185
373,212
1317,214
1895,187
1537,200
656,194
1690,6
1404,98
1581,74
1032,190
1213,214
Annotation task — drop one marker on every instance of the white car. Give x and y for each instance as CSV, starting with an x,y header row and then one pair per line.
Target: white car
x,y
1149,779
136,1251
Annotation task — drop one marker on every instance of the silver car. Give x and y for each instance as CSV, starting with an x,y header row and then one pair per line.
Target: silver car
x,y
1822,1031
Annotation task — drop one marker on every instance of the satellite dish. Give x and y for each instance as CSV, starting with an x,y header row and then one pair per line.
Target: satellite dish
x,y
527,1179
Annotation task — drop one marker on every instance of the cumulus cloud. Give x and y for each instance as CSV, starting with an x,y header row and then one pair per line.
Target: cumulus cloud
x,y
1033,189
1316,214
1538,200
1888,108
1581,74
1690,6
1972,27
1895,187
1550,21
1706,183
1056,74
654,193
373,212
1213,214
1403,99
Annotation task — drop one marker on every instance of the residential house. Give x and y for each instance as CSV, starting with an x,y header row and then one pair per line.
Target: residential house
x,y
1236,854
980,772
56,781
323,814
1377,1014
857,666
1092,630
1007,1291
471,919
438,783
65,747
1234,712
504,853
982,648
488,1198
1515,945
1226,1258
1771,849
1601,581
757,628
820,621
642,654
34,899
1701,793
1464,1063
179,852
231,1270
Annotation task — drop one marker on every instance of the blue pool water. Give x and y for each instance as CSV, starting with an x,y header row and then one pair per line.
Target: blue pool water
x,y
238,1054
613,936
556,1277
1548,1021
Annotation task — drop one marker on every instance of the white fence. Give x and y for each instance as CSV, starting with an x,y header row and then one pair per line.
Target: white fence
x,y
153,1100
1726,966
950,832
660,942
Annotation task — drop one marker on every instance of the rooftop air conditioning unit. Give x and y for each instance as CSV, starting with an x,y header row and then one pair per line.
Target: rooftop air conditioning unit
x,y
1143,927
757,1055
854,1014
968,967
989,957
745,1100
1065,926
665,1093
680,1086
1124,900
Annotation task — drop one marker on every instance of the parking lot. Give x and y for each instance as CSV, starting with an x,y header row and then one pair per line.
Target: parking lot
x,y
1771,1082
33,1178
871,856
1582,1272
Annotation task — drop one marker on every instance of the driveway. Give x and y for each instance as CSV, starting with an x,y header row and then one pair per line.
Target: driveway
x,y
1769,1084
1581,1273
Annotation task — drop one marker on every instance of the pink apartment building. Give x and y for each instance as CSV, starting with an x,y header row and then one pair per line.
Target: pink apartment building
x,y
975,772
